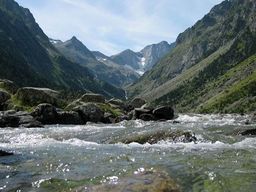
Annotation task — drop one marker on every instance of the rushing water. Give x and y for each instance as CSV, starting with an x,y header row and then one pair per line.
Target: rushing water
x,y
219,161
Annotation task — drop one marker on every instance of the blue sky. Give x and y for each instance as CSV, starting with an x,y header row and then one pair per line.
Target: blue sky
x,y
111,26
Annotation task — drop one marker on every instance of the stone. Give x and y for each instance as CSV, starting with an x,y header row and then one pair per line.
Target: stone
x,y
90,112
163,113
141,180
33,96
45,113
4,96
94,98
69,118
8,86
147,117
18,119
137,103
137,112
4,153
117,104
249,132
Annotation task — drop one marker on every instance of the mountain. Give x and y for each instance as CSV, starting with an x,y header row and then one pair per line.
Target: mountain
x,y
145,59
29,59
128,58
153,53
100,65
212,67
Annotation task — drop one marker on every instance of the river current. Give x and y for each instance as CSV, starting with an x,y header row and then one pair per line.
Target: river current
x,y
221,160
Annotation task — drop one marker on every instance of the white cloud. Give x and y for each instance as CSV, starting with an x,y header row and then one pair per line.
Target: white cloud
x,y
111,26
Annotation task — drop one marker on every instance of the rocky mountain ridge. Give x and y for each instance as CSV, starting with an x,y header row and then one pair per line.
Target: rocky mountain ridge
x,y
145,59
29,59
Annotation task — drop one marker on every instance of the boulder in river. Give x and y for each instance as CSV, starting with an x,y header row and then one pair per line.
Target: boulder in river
x,y
4,153
249,132
91,97
90,112
164,113
45,113
33,96
18,119
154,137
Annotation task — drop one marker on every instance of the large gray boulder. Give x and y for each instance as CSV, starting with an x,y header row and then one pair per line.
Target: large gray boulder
x,y
34,96
91,97
4,96
90,112
45,113
164,113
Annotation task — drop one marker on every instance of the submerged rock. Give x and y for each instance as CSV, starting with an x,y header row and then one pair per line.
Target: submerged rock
x,y
4,153
154,137
141,181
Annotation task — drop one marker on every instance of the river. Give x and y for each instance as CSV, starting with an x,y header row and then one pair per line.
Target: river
x,y
70,156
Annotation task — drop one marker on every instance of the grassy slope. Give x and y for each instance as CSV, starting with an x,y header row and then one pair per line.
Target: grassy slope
x,y
227,73
240,96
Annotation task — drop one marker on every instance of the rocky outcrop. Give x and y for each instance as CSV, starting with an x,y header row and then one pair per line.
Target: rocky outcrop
x,y
94,98
90,112
18,119
33,96
4,96
8,86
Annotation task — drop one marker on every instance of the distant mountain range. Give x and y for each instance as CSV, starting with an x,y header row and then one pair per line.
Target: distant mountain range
x,y
98,63
212,67
145,59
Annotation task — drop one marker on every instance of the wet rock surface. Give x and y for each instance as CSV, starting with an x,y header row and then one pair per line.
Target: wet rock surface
x,y
4,153
155,137
141,181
